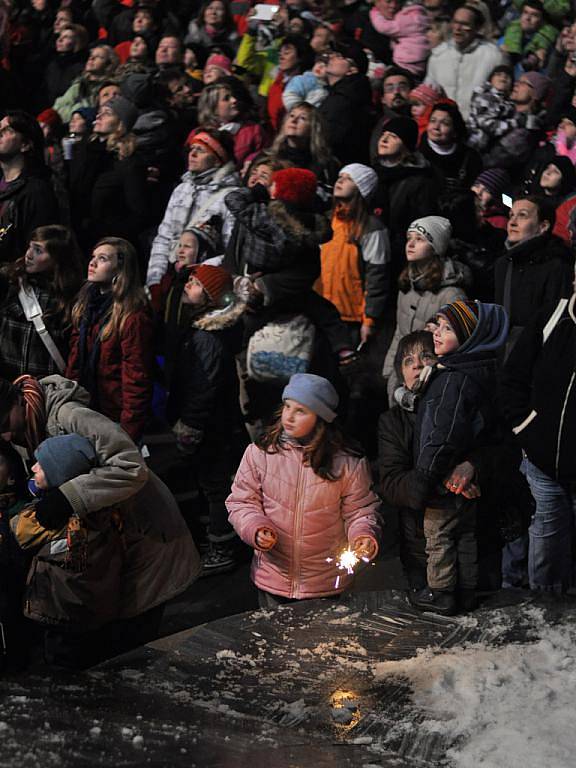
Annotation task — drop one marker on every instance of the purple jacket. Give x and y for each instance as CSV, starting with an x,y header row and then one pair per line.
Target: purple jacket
x,y
314,519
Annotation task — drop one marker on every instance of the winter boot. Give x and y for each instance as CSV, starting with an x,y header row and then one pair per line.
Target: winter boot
x,y
220,558
442,601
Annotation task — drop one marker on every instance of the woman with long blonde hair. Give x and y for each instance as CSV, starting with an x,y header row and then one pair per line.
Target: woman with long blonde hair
x,y
111,351
227,105
302,142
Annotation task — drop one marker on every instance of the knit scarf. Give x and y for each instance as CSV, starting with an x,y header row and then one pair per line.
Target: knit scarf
x,y
97,310
35,410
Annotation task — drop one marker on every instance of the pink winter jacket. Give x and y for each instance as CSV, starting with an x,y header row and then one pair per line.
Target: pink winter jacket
x,y
410,46
313,519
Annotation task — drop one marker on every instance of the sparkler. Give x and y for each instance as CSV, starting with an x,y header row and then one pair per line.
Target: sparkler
x,y
347,560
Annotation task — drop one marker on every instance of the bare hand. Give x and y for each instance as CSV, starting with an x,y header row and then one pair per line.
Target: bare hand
x,y
366,332
472,491
265,538
364,547
460,477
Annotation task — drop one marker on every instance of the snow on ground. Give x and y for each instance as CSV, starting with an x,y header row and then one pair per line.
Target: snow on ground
x,y
511,706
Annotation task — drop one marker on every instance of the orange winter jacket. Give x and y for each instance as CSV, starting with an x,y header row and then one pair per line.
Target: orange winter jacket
x,y
355,277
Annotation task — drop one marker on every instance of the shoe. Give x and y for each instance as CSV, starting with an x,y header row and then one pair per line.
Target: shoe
x,y
435,600
219,559
467,600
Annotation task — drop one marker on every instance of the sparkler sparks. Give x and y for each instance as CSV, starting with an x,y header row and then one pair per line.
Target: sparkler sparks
x,y
347,560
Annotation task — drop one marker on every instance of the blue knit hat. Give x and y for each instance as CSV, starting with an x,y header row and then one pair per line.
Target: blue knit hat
x,y
65,457
314,392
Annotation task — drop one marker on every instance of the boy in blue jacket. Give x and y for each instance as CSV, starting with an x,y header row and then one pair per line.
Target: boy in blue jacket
x,y
456,413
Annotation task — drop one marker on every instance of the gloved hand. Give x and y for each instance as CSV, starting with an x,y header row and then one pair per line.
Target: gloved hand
x,y
53,510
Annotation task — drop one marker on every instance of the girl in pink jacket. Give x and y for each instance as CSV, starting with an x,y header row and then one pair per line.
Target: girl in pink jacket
x,y
301,496
407,28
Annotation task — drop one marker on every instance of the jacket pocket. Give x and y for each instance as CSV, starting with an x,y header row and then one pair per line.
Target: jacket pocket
x,y
528,420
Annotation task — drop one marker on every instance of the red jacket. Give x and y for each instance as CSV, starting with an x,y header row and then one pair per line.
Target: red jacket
x,y
276,109
124,380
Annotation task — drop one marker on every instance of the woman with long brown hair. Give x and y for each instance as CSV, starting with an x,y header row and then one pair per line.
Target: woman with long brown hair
x,y
49,275
302,141
111,351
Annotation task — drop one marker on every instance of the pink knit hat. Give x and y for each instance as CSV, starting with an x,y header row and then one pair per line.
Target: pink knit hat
x,y
220,61
427,93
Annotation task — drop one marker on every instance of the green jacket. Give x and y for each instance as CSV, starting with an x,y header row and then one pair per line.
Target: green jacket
x,y
543,39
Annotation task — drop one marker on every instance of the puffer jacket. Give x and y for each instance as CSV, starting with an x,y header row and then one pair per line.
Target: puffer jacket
x,y
200,195
355,276
314,519
410,46
123,386
459,72
157,558
417,306
458,411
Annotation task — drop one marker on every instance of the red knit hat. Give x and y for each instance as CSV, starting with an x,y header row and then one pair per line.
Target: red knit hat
x,y
216,281
49,117
295,186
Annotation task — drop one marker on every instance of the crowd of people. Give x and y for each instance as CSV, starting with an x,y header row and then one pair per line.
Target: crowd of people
x,y
321,250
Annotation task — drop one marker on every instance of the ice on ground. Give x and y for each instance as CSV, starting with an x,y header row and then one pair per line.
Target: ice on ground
x,y
513,705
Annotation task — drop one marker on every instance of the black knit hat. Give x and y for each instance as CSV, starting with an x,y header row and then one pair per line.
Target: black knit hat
x,y
405,128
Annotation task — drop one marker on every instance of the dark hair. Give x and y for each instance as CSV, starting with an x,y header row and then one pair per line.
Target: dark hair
x,y
535,4
303,49
327,442
228,22
429,280
460,130
9,395
67,278
423,340
398,72
546,211
28,127
478,17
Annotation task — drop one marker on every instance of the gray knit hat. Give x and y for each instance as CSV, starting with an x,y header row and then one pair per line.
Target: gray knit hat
x,y
364,177
64,457
124,110
314,392
436,229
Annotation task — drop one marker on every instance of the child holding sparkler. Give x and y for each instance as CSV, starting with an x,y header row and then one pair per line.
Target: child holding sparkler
x,y
301,496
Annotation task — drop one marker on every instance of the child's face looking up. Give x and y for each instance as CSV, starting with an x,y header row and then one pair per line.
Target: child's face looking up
x,y
445,339
418,247
502,82
344,188
417,109
387,8
194,292
297,420
187,250
39,477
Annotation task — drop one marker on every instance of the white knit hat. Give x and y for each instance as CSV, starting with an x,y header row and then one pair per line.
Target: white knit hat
x,y
436,229
364,177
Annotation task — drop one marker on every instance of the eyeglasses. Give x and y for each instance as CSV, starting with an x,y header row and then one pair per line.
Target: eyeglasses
x,y
396,88
462,24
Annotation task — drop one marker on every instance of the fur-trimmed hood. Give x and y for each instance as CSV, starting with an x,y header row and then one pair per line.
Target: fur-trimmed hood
x,y
305,227
220,319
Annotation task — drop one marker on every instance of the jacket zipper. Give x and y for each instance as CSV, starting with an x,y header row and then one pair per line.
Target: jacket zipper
x,y
561,425
295,534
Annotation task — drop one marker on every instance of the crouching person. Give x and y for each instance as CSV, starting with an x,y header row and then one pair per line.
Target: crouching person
x,y
113,545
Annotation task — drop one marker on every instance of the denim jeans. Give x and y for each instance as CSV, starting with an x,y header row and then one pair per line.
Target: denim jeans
x,y
550,561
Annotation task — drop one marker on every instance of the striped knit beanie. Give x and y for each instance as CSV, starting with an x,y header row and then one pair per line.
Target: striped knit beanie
x,y
462,316
496,181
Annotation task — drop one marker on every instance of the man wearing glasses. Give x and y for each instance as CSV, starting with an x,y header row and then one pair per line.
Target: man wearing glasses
x,y
466,60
